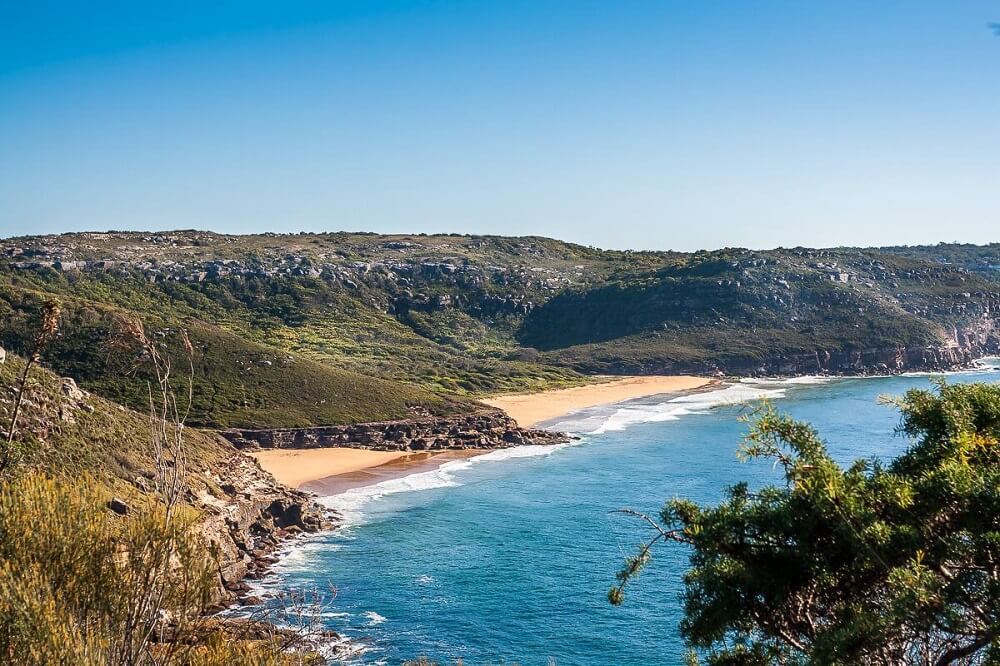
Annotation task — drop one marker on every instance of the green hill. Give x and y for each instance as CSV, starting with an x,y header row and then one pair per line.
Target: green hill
x,y
740,309
317,328
236,382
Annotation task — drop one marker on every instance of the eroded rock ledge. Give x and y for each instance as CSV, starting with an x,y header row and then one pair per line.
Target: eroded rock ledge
x,y
486,429
248,524
881,361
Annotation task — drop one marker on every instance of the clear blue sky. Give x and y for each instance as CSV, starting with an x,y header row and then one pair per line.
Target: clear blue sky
x,y
617,123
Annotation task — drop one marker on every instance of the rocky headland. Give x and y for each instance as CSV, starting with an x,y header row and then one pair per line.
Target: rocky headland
x,y
861,363
254,518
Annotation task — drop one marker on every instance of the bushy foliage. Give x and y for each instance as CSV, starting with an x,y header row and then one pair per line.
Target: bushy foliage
x,y
782,308
81,585
874,564
450,313
237,382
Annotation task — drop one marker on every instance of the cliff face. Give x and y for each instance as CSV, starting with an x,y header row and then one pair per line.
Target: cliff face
x,y
487,429
763,353
245,512
251,520
963,348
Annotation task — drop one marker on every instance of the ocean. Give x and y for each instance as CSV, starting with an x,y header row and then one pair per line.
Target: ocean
x,y
507,557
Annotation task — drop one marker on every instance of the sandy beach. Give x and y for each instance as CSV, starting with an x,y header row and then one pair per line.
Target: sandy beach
x,y
394,469
294,467
331,470
533,408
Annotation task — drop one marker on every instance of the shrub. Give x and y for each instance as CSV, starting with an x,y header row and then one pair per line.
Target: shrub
x,y
83,586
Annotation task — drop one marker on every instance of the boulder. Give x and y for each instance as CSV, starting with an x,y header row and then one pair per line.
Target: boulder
x,y
118,506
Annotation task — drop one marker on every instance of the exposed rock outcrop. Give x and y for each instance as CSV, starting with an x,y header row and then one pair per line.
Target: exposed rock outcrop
x,y
879,361
251,521
963,347
487,429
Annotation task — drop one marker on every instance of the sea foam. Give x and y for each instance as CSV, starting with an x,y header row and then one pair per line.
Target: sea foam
x,y
596,421
351,502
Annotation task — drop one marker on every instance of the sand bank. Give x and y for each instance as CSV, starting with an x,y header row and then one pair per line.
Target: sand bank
x,y
331,470
293,467
533,408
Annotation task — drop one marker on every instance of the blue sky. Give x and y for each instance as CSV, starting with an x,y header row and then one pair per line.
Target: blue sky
x,y
619,123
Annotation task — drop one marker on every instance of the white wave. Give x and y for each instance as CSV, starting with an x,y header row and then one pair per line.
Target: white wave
x,y
339,648
947,373
294,557
373,617
631,413
350,502
804,380
424,580
526,451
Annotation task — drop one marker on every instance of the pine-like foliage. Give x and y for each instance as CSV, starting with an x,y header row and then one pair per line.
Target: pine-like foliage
x,y
873,564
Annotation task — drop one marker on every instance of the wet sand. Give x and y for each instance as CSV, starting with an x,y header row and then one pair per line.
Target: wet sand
x,y
412,463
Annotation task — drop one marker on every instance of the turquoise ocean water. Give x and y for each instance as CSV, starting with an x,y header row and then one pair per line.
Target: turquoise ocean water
x,y
507,557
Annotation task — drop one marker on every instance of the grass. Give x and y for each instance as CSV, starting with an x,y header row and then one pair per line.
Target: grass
x,y
237,382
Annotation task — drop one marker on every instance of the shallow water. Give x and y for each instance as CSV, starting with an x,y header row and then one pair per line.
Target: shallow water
x,y
508,556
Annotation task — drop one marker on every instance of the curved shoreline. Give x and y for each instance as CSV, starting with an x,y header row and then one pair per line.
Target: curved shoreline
x,y
319,468
530,409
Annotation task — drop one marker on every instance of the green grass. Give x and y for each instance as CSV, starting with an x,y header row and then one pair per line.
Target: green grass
x,y
105,439
237,382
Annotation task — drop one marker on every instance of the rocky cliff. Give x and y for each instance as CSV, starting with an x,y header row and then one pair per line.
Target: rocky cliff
x,y
247,524
963,347
486,429
245,512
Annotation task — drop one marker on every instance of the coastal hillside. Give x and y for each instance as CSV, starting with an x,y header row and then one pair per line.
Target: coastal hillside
x,y
376,325
66,433
777,312
983,260
237,381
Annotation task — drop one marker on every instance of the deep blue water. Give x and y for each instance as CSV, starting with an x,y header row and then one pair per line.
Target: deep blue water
x,y
509,558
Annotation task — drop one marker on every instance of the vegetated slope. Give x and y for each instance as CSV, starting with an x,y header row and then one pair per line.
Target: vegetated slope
x,y
983,260
467,315
236,382
66,432
777,311
437,311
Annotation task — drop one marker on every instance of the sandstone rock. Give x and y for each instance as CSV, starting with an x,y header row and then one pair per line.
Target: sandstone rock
x,y
249,519
488,429
118,506
72,392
